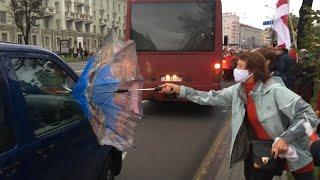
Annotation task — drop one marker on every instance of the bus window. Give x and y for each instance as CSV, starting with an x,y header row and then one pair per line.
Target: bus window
x,y
177,26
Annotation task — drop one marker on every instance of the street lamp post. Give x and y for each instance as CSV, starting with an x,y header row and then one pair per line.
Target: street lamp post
x,y
272,26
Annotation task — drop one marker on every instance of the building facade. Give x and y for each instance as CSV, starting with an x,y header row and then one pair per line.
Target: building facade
x,y
268,37
82,22
231,27
251,37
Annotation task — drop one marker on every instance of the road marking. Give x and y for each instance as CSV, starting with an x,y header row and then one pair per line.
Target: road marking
x,y
213,151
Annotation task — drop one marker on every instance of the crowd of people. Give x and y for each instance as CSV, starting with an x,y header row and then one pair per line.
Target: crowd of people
x,y
284,63
79,52
271,113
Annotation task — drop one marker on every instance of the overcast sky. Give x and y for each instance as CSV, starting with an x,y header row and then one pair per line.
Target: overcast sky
x,y
254,12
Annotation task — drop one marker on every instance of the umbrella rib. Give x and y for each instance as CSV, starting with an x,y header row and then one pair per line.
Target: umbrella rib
x,y
114,130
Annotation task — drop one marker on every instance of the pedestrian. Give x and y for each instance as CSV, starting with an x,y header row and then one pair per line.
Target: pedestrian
x,y
270,58
262,110
81,52
75,52
293,54
284,64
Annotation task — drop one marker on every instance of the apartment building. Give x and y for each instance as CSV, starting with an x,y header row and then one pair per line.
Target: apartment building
x,y
251,37
231,27
82,22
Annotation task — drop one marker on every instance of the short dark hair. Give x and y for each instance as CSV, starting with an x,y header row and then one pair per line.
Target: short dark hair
x,y
268,55
257,64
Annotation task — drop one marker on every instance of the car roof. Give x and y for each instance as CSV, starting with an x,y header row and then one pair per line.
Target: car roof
x,y
5,47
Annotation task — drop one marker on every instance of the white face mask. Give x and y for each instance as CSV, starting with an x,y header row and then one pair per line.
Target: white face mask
x,y
241,75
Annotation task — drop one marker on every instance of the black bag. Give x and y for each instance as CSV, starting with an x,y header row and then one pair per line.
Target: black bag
x,y
262,159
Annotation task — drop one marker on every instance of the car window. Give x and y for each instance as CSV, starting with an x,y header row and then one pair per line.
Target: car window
x,y
47,91
7,137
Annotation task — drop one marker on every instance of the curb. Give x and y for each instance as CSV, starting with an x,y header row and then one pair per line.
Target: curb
x,y
210,165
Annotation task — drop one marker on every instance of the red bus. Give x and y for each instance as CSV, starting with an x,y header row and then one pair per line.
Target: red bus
x,y
178,41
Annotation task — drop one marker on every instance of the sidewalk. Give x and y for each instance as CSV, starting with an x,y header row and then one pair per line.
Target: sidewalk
x,y
225,173
215,165
236,173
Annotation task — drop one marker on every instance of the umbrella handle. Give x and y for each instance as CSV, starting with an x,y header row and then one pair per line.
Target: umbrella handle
x,y
158,88
121,91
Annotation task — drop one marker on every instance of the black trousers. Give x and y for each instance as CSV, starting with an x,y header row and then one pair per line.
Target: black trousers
x,y
251,174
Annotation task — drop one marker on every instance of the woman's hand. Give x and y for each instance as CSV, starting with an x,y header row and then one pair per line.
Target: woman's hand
x,y
169,88
279,147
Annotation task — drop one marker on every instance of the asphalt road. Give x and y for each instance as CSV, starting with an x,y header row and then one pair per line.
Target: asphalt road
x,y
171,141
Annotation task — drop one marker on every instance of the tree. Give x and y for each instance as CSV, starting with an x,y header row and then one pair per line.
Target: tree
x,y
24,14
293,26
304,17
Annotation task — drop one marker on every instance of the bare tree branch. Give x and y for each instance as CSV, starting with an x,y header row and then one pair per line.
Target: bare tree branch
x,y
23,12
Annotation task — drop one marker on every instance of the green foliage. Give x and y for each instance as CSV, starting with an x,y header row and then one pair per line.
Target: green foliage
x,y
312,37
312,43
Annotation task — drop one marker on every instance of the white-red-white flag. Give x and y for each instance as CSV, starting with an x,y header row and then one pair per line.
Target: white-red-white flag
x,y
281,23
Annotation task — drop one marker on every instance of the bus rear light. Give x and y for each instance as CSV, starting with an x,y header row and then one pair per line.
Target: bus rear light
x,y
217,66
173,78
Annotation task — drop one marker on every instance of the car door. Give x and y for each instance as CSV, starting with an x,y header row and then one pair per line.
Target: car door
x,y
64,144
11,166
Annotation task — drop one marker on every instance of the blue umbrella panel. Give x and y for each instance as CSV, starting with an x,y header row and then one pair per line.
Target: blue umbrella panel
x,y
113,116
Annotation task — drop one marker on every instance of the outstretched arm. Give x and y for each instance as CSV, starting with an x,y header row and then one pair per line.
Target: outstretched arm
x,y
223,98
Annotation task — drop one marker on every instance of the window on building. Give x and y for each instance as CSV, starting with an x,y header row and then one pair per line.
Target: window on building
x,y
47,23
95,44
87,11
94,15
46,3
58,43
102,29
101,14
3,17
44,85
79,9
88,28
7,137
88,44
113,6
70,42
79,27
107,17
47,42
69,25
67,8
94,29
58,21
57,5
119,10
4,37
20,39
34,40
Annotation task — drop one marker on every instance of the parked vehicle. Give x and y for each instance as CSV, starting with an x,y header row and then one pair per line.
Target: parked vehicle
x,y
43,132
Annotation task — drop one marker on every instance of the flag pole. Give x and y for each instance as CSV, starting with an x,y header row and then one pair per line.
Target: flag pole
x,y
293,32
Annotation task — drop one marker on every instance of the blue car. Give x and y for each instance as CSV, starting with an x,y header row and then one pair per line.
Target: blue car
x,y
44,134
